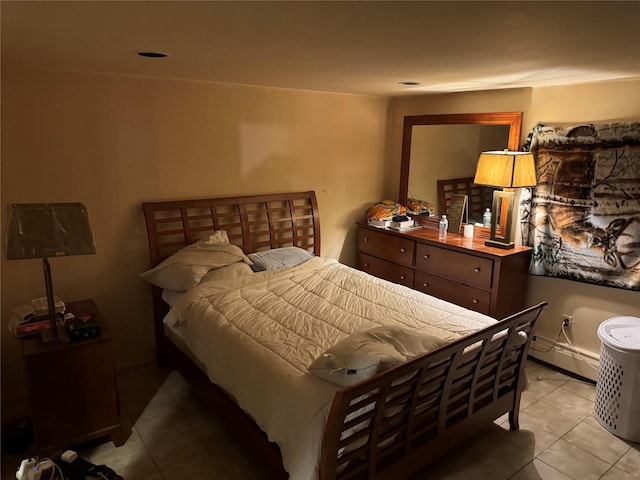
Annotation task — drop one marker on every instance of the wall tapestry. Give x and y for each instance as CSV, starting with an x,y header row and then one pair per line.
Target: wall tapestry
x,y
583,217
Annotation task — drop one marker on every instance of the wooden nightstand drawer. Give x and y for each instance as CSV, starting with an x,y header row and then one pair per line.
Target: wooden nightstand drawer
x,y
382,245
387,270
450,291
460,267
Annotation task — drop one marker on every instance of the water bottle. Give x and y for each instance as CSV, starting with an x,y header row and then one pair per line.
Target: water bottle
x,y
443,227
486,218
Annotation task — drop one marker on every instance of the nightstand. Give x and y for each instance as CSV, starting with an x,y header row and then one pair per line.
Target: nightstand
x,y
72,386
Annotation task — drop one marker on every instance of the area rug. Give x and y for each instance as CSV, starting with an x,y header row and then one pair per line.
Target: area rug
x,y
583,217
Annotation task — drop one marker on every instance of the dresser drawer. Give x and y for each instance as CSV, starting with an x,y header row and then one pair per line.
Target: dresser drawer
x,y
460,267
382,245
462,295
386,270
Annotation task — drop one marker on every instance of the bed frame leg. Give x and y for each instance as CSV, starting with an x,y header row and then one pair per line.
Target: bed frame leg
x,y
161,361
514,423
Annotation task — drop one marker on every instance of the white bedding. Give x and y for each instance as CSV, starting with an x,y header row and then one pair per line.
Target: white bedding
x,y
257,334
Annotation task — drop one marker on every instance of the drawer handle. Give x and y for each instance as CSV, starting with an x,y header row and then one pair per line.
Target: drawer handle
x,y
402,250
425,284
402,277
476,301
426,257
477,269
366,239
366,264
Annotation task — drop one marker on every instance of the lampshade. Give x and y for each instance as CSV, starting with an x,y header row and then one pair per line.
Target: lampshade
x,y
40,230
506,169
43,230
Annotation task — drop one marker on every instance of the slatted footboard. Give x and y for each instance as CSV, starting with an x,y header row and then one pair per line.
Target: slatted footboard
x,y
395,424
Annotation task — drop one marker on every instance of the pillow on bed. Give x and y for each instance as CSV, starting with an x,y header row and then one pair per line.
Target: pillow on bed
x,y
363,354
187,266
278,258
171,297
230,271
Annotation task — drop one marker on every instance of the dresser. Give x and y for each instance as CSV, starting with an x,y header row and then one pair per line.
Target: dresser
x,y
460,270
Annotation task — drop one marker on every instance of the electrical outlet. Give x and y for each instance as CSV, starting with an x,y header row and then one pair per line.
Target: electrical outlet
x,y
567,320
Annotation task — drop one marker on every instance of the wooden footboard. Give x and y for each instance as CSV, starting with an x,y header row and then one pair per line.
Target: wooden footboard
x,y
395,424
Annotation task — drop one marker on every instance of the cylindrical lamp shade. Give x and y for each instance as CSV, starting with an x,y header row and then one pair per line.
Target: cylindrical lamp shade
x,y
506,169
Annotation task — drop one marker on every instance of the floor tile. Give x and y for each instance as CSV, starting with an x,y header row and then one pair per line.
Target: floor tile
x,y
549,417
597,442
630,462
573,461
584,389
533,439
174,437
129,461
457,467
569,403
200,466
174,444
502,457
540,371
151,476
538,470
616,474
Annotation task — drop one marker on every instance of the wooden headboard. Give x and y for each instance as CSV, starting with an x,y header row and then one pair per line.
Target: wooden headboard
x,y
254,223
479,197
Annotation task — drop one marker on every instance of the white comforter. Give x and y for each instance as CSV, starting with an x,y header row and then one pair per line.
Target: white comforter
x,y
257,334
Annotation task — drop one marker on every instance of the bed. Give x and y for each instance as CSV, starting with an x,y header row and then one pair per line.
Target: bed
x,y
389,424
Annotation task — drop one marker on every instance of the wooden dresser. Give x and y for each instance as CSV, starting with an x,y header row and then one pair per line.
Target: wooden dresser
x,y
460,270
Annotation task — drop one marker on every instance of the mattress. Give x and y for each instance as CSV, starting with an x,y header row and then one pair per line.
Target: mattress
x,y
257,334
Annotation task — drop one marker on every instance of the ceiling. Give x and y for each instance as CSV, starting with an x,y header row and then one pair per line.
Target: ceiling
x,y
360,47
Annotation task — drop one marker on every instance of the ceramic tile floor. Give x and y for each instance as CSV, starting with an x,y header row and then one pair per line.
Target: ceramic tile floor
x,y
174,437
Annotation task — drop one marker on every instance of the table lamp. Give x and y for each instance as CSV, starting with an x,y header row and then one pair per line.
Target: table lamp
x,y
43,230
507,170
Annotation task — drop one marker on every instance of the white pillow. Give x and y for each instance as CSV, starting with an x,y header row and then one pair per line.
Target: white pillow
x,y
364,354
187,266
171,297
277,258
230,271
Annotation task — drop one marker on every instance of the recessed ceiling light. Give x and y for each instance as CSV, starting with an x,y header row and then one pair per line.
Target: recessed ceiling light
x,y
152,54
409,83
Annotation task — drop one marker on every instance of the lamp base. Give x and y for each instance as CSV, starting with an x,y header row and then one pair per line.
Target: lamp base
x,y
498,244
47,336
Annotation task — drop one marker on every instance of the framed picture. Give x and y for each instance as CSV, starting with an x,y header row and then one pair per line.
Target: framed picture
x,y
457,212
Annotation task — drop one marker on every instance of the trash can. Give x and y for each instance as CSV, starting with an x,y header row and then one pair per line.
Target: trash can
x,y
619,377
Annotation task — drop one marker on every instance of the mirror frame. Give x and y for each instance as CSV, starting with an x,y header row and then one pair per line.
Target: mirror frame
x,y
513,119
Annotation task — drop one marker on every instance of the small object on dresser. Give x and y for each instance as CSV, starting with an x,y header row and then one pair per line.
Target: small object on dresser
x,y
486,218
82,327
378,223
401,221
443,227
468,231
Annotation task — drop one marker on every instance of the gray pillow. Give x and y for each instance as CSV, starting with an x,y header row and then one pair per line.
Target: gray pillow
x,y
277,258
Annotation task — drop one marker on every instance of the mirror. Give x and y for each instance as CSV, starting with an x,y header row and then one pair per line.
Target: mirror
x,y
439,148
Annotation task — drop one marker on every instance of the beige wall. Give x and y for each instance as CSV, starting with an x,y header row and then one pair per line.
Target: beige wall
x,y
588,304
113,142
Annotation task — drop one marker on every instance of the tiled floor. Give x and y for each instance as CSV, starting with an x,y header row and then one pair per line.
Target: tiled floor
x,y
175,437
